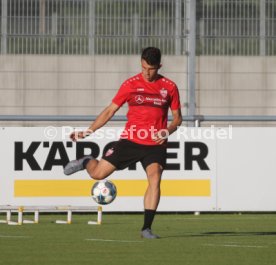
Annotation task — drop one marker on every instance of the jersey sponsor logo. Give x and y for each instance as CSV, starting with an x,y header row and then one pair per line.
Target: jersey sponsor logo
x,y
140,89
139,99
152,100
164,92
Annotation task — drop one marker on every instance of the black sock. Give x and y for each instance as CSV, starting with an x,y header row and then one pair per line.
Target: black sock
x,y
85,162
148,218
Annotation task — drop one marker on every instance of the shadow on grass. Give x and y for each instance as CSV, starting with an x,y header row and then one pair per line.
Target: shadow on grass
x,y
213,234
238,234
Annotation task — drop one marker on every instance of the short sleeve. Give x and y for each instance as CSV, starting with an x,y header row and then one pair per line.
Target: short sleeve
x,y
175,101
122,95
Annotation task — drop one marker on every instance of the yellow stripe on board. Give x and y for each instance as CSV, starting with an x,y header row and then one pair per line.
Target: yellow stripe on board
x,y
81,188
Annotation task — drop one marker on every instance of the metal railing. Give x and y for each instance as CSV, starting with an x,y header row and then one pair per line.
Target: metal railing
x,y
224,27
92,26
231,27
196,120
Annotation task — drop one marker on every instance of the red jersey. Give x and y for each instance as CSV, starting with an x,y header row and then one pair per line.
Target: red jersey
x,y
148,106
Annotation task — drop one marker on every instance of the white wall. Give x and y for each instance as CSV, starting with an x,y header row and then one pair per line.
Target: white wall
x,y
83,85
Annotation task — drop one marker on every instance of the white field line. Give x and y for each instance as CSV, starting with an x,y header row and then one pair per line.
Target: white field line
x,y
234,246
112,240
202,218
11,236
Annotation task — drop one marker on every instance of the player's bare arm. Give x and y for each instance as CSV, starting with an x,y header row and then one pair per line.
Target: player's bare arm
x,y
100,121
162,135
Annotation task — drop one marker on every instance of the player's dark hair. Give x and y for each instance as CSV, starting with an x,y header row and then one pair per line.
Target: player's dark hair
x,y
151,55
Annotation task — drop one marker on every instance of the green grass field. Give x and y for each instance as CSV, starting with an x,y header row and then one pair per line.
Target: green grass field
x,y
185,239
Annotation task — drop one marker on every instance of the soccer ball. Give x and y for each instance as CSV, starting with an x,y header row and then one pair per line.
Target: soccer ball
x,y
103,192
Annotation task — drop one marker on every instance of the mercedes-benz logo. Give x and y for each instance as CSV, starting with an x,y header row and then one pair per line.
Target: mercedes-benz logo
x,y
139,99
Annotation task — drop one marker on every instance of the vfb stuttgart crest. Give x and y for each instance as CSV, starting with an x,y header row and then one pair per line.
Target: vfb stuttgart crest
x,y
164,92
109,152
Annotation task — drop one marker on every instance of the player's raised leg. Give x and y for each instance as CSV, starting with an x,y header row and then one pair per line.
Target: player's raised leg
x,y
96,169
77,165
99,169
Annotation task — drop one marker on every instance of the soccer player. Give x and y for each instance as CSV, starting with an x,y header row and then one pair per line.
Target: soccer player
x,y
149,95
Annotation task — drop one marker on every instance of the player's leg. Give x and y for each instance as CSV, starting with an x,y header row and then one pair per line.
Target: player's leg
x,y
119,156
95,168
153,163
152,195
99,169
151,198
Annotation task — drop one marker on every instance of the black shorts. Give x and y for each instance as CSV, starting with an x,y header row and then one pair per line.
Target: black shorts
x,y
125,153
